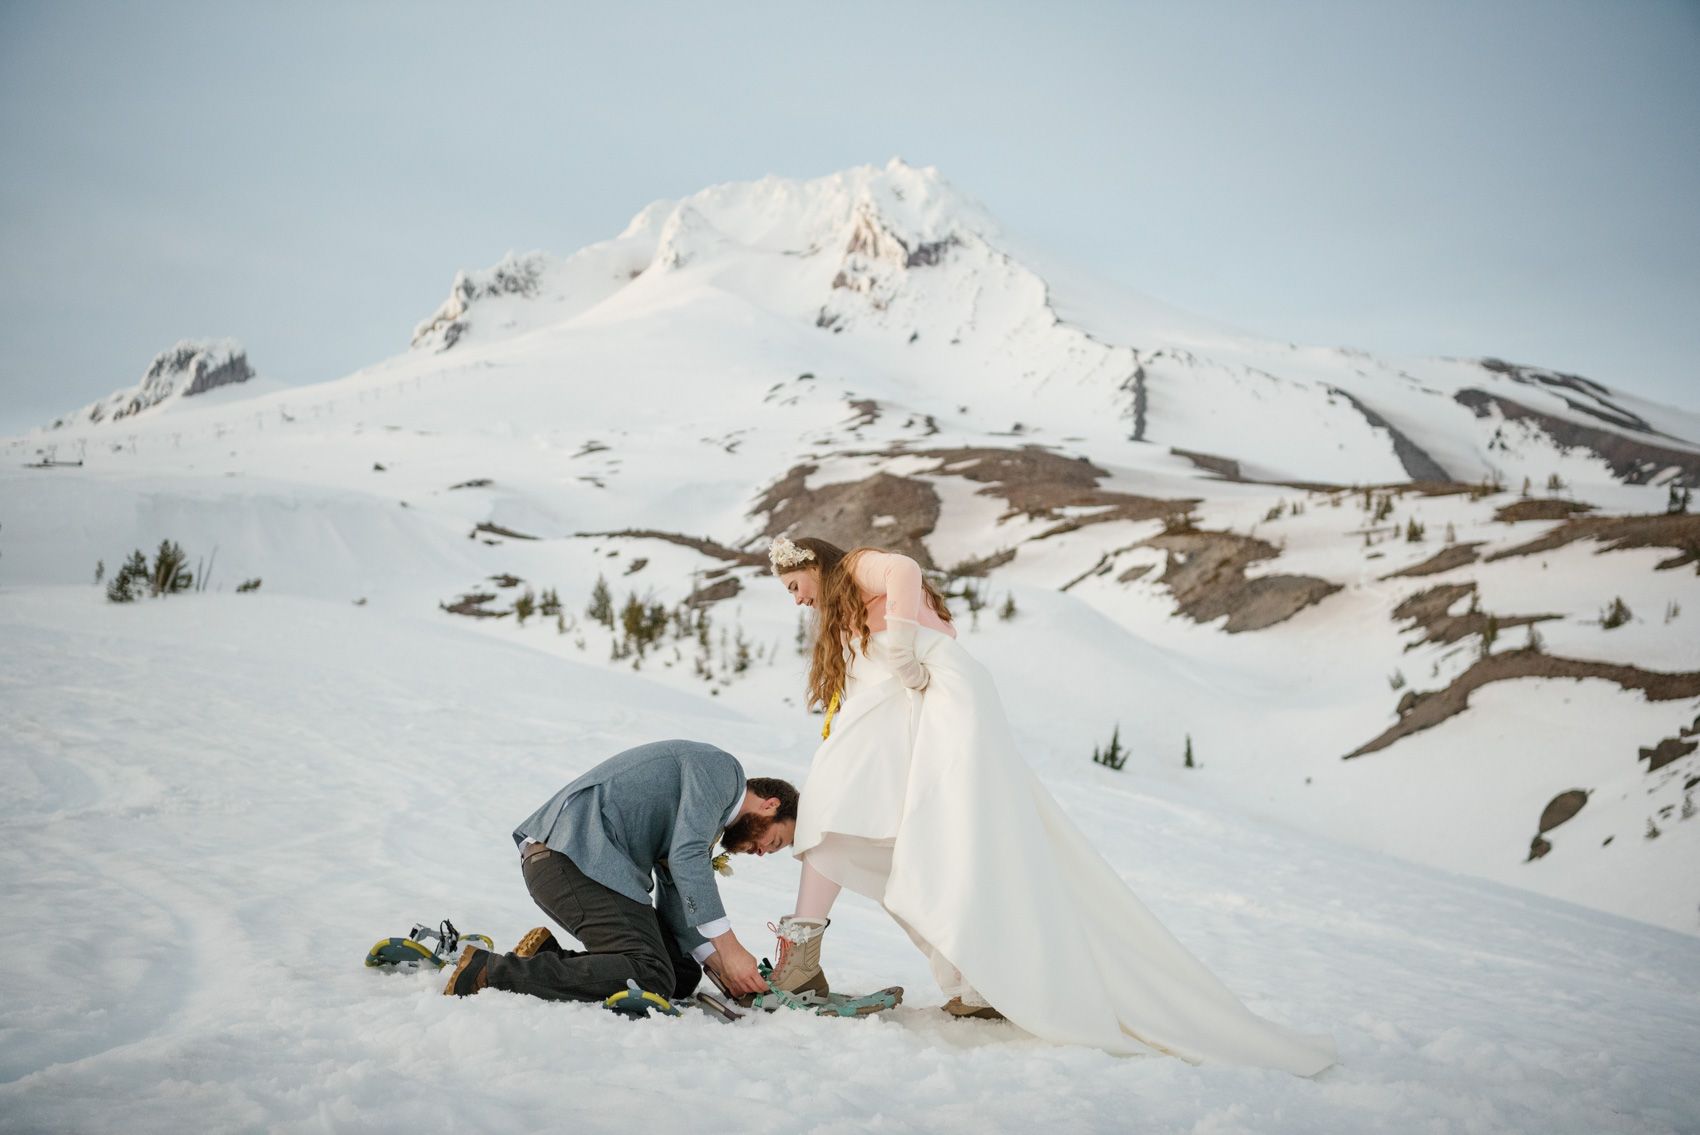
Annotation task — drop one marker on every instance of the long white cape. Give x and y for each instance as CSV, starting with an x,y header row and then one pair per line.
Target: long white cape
x,y
987,868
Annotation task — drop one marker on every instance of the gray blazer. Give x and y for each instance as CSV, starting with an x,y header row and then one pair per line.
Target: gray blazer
x,y
653,811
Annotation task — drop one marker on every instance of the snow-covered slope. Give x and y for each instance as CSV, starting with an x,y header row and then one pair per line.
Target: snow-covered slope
x,y
218,802
1168,505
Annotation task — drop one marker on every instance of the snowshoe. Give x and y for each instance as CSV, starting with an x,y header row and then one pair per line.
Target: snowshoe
x,y
730,1008
634,1002
424,946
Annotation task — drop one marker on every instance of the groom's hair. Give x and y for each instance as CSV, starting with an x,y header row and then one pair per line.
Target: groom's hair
x,y
771,787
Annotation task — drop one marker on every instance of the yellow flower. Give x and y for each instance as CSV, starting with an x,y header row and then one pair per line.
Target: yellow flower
x,y
722,863
826,729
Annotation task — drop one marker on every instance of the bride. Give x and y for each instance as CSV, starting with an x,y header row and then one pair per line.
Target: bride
x,y
918,799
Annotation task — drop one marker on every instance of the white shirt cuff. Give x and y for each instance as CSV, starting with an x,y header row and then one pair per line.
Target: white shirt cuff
x,y
716,928
703,952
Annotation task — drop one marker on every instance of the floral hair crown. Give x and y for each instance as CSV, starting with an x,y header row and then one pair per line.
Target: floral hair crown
x,y
786,556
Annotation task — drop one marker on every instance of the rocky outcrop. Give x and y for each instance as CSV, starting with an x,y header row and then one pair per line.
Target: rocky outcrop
x,y
514,276
191,367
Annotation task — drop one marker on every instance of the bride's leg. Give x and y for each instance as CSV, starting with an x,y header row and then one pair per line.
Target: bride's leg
x,y
815,893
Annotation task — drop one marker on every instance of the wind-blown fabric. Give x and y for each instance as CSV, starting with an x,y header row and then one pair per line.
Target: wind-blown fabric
x,y
987,870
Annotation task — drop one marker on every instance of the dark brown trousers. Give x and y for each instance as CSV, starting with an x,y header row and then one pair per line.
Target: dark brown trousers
x,y
623,940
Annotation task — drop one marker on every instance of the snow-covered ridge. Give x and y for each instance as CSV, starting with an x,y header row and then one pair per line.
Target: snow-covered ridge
x,y
894,255
191,367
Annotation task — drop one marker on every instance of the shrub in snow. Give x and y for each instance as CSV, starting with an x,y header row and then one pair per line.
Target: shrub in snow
x,y
1615,615
248,585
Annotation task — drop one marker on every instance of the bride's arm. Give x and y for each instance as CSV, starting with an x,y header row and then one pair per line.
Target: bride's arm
x,y
893,575
898,578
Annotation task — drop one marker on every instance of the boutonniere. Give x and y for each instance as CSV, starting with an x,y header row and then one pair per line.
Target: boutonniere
x,y
722,863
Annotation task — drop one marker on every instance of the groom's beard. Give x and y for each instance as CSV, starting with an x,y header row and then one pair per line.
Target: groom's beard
x,y
742,833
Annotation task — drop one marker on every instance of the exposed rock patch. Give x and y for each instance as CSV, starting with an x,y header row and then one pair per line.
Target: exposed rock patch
x,y
1560,808
846,512
1449,557
1206,574
1225,467
1428,612
723,588
1037,483
1421,711
472,605
1680,532
1666,751
497,530
1540,509
705,546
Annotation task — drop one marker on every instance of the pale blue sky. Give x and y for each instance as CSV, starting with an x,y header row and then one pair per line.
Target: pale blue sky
x,y
1511,178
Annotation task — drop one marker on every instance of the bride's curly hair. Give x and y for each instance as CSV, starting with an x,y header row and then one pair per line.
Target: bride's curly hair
x,y
841,617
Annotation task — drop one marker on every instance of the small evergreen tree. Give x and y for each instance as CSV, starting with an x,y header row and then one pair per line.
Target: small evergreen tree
x,y
99,571
632,622
1490,632
601,607
1113,757
170,572
130,576
1007,611
524,606
1616,614
1189,763
1413,532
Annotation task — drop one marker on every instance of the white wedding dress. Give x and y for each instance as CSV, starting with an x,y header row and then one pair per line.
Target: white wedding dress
x,y
922,803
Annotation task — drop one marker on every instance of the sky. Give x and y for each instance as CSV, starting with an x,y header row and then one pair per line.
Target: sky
x,y
1518,179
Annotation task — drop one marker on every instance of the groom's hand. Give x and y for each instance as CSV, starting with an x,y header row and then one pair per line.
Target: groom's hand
x,y
735,965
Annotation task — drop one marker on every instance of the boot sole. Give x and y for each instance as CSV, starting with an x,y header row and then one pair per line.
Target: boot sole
x,y
535,942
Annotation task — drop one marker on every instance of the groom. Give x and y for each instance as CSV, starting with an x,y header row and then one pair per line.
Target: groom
x,y
644,820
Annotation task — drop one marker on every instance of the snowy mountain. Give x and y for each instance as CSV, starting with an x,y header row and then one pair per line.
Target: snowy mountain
x,y
1421,610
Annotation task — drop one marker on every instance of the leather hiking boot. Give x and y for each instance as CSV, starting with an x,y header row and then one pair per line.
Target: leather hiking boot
x,y
956,1007
798,968
469,974
539,940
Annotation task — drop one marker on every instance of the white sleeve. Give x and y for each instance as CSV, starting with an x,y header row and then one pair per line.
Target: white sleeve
x,y
714,929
